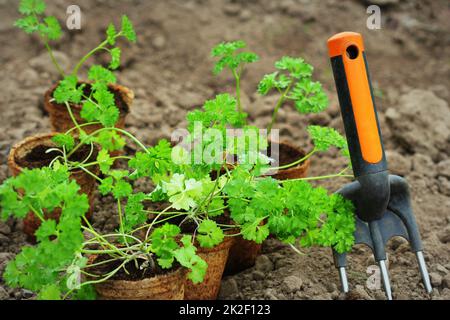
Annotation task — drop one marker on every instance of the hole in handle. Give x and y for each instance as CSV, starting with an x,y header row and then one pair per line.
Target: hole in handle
x,y
352,52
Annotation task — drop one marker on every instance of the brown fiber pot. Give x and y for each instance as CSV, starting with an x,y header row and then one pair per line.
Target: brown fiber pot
x,y
86,182
169,286
243,253
61,121
216,259
291,152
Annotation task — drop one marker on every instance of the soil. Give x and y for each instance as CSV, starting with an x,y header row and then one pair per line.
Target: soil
x,y
286,154
38,157
135,273
123,107
169,69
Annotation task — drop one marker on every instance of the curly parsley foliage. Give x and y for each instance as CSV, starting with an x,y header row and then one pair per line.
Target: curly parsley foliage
x,y
155,162
290,211
293,81
164,245
324,138
219,113
33,20
40,268
231,57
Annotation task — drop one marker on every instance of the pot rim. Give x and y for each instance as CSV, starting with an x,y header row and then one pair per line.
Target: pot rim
x,y
40,137
125,92
304,165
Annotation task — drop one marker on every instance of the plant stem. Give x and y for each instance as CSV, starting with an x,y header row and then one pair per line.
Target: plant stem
x,y
277,108
238,90
90,53
126,133
82,125
295,162
112,158
87,56
296,250
90,173
54,61
119,208
338,175
69,109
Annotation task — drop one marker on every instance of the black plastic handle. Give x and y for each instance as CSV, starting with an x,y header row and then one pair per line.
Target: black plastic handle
x,y
358,109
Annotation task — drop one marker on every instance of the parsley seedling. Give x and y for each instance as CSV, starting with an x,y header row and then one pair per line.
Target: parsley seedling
x,y
97,99
207,195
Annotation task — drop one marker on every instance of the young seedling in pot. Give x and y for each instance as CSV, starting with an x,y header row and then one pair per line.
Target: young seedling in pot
x,y
89,105
294,210
293,82
64,264
205,203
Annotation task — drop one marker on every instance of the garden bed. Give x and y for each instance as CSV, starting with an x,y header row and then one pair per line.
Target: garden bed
x,y
165,91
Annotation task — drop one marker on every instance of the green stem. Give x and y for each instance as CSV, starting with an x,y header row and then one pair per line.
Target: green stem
x,y
87,56
49,49
119,208
238,90
277,108
112,158
75,122
338,175
99,236
126,133
90,173
295,162
101,46
36,213
54,61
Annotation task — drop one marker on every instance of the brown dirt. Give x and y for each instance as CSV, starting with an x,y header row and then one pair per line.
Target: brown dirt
x,y
135,273
38,157
170,71
286,154
123,107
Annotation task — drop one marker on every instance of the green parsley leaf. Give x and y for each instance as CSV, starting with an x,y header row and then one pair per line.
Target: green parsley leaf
x,y
115,58
188,258
122,189
323,138
111,34
209,234
128,29
99,74
68,90
104,161
64,140
29,7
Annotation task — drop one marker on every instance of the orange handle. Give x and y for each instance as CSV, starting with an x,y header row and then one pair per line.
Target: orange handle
x,y
349,46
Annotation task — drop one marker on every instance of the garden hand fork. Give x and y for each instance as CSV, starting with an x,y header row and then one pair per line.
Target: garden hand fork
x,y
382,201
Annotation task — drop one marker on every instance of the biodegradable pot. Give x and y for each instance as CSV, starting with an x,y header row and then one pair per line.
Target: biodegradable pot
x,y
61,121
30,153
215,258
243,253
287,153
169,286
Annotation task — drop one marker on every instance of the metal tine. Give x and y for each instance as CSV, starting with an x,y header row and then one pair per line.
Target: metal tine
x,y
385,278
344,281
424,271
